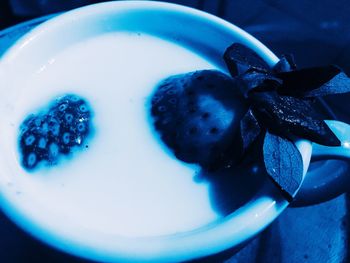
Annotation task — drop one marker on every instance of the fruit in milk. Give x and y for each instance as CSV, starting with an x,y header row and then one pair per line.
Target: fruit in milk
x,y
46,136
198,114
213,119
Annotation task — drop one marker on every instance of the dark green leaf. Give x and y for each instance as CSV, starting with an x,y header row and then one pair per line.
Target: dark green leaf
x,y
284,164
258,81
285,64
250,129
239,58
288,115
312,82
337,85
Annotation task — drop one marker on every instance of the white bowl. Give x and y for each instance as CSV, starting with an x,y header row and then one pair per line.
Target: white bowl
x,y
144,213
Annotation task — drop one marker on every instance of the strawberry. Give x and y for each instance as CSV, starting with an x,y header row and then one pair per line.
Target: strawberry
x,y
197,115
49,134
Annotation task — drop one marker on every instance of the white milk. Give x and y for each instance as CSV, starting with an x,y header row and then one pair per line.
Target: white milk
x,y
126,182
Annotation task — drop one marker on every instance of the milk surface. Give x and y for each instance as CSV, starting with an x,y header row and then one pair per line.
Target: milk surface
x,y
126,182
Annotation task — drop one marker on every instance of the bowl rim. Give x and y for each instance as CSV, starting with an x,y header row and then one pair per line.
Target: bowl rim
x,y
252,217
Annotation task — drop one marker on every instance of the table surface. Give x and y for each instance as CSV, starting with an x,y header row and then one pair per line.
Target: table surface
x,y
316,233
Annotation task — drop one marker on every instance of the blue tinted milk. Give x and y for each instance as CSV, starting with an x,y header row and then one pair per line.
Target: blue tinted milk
x,y
126,183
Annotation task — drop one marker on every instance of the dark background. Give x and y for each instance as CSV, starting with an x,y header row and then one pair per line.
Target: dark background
x,y
317,33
